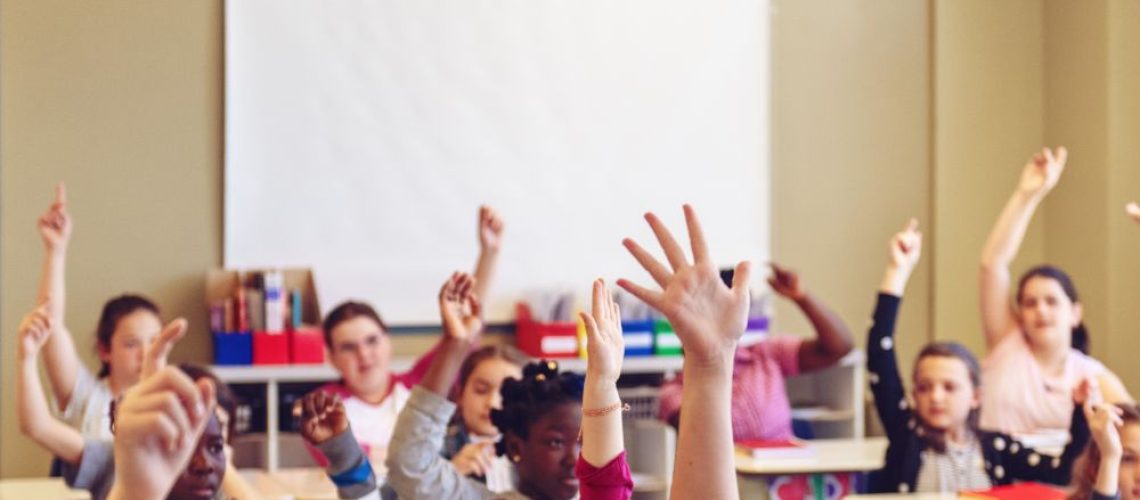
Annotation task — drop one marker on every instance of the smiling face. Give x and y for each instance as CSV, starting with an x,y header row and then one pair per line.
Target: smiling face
x,y
361,352
481,394
546,457
203,475
944,394
1046,313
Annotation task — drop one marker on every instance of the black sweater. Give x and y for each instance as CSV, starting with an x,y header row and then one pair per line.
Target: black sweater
x,y
1006,459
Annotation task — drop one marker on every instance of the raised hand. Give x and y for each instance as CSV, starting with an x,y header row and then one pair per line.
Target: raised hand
x,y
460,309
35,329
322,416
1043,171
906,247
155,354
1104,424
708,317
1133,211
490,229
786,282
605,347
474,459
157,426
55,223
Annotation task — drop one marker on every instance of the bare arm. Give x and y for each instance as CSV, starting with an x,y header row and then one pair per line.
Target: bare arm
x,y
833,339
460,312
60,358
602,435
490,240
1039,176
36,421
709,318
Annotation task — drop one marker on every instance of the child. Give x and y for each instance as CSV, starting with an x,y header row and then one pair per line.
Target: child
x,y
541,419
760,406
470,441
361,351
937,446
1038,350
709,318
126,326
1110,468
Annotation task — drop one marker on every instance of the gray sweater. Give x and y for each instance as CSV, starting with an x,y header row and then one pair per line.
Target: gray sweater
x,y
415,468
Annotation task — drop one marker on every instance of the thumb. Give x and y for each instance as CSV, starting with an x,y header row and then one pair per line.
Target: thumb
x,y
741,276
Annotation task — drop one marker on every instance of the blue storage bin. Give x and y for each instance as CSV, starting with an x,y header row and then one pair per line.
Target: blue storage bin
x,y
233,348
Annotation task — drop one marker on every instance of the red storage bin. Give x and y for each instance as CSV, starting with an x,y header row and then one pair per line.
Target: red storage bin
x,y
545,340
307,346
270,348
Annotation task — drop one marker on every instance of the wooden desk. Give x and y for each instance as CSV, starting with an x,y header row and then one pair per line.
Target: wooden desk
x,y
53,487
830,456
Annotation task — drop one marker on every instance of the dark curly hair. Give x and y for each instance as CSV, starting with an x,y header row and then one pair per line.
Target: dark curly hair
x,y
525,401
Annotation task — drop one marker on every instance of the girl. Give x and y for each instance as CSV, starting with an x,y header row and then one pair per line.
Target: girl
x,y
937,446
470,441
361,351
126,326
1038,350
760,406
1110,467
541,420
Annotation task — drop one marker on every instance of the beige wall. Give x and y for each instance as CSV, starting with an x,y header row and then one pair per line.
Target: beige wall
x,y
123,101
881,110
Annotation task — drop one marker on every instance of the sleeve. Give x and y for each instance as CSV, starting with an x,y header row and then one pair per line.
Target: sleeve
x,y
412,377
670,399
1027,464
72,413
785,349
348,468
883,370
95,468
415,467
611,481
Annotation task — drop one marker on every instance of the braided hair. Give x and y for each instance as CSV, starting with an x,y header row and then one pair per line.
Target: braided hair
x,y
526,400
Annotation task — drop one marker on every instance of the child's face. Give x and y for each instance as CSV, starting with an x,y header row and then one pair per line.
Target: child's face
x,y
481,394
943,392
361,352
203,475
1046,313
132,335
1130,462
548,455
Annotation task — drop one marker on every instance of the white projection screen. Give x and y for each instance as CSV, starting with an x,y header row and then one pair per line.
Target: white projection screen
x,y
362,135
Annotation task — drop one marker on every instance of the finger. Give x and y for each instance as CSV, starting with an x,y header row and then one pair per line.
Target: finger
x,y
155,424
208,394
696,235
171,379
656,270
650,297
615,316
1062,155
309,407
166,403
1049,158
474,305
61,194
1133,210
598,307
591,328
158,351
912,225
673,252
741,276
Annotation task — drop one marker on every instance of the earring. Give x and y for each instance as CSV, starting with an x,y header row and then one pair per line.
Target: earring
x,y
516,459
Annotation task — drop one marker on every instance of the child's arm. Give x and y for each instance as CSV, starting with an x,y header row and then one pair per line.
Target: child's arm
x,y
415,467
36,421
60,358
709,318
1104,423
833,339
490,240
325,426
882,363
1040,175
1133,211
602,438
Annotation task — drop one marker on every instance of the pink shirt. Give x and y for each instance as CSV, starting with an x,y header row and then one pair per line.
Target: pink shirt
x,y
1018,398
611,481
760,407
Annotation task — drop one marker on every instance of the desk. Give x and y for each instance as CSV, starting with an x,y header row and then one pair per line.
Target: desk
x,y
53,487
830,456
291,483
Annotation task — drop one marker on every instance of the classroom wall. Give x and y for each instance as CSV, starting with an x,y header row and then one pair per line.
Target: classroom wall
x,y
123,101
